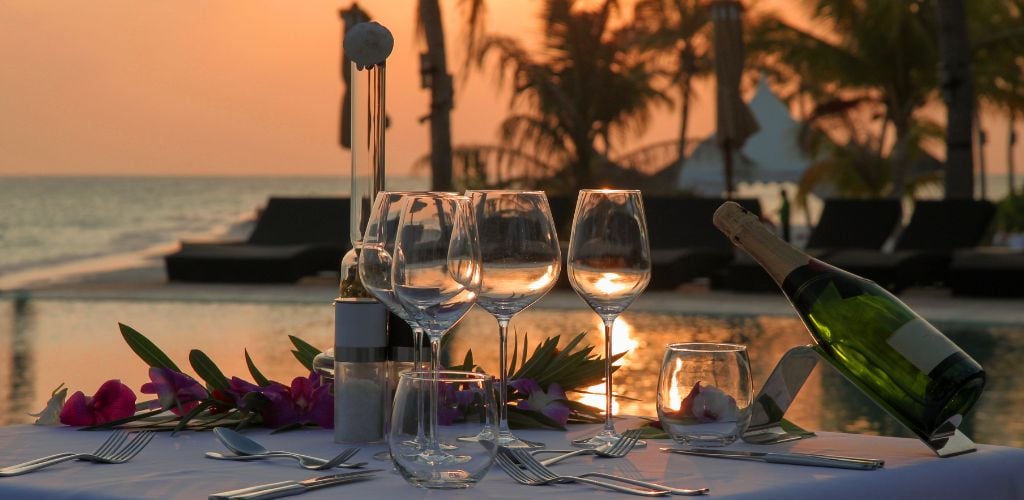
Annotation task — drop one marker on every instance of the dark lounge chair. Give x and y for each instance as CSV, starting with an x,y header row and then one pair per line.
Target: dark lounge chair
x,y
992,272
685,244
924,249
845,224
293,238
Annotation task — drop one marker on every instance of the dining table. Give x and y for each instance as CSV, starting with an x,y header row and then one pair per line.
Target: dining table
x,y
174,466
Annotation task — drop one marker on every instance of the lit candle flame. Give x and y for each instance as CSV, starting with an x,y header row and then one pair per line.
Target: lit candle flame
x,y
675,399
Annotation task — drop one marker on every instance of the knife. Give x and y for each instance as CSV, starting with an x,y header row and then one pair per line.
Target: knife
x,y
294,487
784,458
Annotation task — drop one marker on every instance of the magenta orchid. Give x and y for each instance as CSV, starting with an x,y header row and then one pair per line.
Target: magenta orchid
x,y
550,403
113,401
175,391
307,401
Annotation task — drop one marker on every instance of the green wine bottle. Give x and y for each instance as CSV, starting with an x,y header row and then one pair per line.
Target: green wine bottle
x,y
893,355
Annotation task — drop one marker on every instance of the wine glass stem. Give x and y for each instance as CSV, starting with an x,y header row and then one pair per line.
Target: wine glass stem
x,y
503,370
609,426
417,349
435,366
417,363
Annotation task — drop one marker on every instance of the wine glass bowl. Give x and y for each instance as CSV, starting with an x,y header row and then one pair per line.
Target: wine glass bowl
x,y
520,261
609,266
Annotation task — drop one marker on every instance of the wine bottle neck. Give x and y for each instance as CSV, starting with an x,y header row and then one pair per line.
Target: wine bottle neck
x,y
746,231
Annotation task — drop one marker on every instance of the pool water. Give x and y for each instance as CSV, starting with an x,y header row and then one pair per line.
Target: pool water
x,y
45,342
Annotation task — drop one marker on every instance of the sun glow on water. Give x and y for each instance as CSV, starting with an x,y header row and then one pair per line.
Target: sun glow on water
x,y
622,341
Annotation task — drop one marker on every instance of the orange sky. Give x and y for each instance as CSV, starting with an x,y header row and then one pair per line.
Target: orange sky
x,y
217,87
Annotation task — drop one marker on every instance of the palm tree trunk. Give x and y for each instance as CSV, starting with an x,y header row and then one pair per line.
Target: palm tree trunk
x,y
1011,139
686,63
898,157
440,96
958,93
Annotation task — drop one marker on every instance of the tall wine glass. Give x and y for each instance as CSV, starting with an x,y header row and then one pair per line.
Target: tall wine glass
x,y
609,265
436,261
375,261
519,262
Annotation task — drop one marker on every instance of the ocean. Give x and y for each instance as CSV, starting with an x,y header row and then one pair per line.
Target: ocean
x,y
54,228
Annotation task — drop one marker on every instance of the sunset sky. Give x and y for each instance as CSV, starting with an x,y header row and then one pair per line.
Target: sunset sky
x,y
217,87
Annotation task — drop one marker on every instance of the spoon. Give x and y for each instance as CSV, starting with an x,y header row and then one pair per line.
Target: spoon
x,y
243,445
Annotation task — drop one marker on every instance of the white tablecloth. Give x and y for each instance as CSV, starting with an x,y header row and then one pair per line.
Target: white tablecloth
x,y
174,467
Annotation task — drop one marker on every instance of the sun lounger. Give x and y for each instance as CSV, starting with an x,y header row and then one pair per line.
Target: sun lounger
x,y
685,244
845,224
924,249
294,237
989,272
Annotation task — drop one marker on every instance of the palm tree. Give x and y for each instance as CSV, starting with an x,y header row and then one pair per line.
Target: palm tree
x,y
958,94
682,30
572,97
883,53
996,29
436,76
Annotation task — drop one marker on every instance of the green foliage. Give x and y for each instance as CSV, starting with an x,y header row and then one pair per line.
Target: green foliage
x,y
148,351
1010,214
573,368
208,371
261,380
304,352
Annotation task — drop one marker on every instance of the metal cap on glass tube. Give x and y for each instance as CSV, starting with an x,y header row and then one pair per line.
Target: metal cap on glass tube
x,y
360,331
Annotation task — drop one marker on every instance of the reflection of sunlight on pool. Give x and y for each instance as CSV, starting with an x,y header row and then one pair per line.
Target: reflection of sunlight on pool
x,y
622,341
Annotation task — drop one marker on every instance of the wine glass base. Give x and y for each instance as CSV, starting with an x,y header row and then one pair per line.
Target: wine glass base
x,y
505,439
603,438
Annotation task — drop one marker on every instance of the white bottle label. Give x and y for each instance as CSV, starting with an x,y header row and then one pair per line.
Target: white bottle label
x,y
922,345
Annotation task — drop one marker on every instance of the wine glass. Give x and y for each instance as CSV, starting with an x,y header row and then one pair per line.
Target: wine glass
x,y
375,259
609,265
519,263
435,266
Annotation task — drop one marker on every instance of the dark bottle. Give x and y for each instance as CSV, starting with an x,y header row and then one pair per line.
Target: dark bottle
x,y
896,357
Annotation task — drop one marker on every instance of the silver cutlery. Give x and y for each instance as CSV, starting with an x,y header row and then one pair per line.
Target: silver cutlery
x,y
532,464
244,446
785,458
510,464
287,488
119,448
309,463
618,449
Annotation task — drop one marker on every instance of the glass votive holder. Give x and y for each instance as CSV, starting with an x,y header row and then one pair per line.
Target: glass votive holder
x,y
704,393
428,417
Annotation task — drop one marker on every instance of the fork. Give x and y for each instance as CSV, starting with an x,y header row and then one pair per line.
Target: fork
x,y
508,458
544,473
618,449
117,449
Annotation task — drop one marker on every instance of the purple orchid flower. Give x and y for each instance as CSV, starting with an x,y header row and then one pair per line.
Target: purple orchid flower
x,y
175,391
550,403
113,401
307,400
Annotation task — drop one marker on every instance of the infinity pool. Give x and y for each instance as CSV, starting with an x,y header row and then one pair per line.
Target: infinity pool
x,y
48,341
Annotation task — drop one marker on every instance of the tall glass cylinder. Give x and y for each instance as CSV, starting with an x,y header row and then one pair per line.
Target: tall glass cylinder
x,y
368,126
